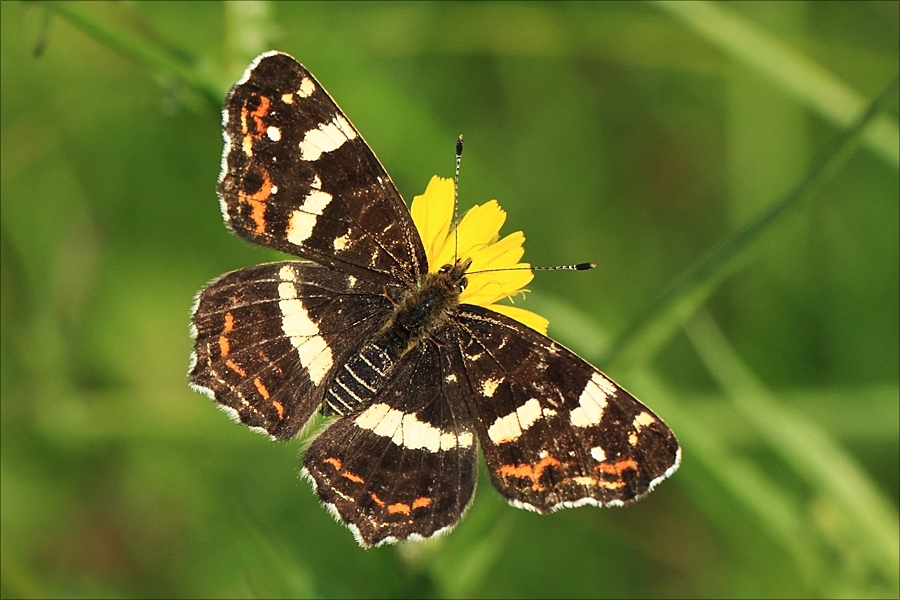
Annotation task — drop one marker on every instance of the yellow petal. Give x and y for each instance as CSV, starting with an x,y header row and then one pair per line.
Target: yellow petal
x,y
486,288
501,255
503,274
480,227
432,213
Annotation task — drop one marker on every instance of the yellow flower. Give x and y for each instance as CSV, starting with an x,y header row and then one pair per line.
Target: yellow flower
x,y
479,239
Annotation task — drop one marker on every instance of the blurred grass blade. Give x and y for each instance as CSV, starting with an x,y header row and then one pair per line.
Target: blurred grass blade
x,y
866,415
813,454
691,289
804,79
473,563
750,488
142,52
247,28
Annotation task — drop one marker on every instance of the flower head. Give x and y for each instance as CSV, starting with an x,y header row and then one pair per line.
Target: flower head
x,y
477,237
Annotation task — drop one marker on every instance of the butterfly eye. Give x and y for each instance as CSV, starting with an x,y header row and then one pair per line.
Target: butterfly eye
x,y
462,284
445,269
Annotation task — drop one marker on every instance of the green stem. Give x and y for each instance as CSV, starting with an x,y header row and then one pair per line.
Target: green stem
x,y
695,285
137,50
796,74
836,477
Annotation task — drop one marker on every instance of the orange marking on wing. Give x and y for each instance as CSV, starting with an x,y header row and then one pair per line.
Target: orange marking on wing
x,y
398,508
421,502
352,477
257,203
532,472
261,110
334,462
279,407
234,367
224,346
258,125
261,388
377,500
618,467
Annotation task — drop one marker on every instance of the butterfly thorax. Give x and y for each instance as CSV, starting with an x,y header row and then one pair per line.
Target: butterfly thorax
x,y
420,312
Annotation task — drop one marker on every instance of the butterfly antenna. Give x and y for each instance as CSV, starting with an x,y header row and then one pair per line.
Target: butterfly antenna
x,y
576,267
459,149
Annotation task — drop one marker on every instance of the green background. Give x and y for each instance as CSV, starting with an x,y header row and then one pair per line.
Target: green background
x,y
639,136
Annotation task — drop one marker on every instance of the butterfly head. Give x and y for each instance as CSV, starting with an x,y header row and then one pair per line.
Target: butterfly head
x,y
456,273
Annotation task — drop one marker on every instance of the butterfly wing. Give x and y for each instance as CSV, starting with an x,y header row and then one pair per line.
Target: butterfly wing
x,y
555,431
405,466
267,338
298,177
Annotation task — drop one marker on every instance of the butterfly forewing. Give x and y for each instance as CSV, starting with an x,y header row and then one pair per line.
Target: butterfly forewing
x,y
299,178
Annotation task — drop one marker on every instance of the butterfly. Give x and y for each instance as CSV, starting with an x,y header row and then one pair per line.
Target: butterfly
x,y
366,332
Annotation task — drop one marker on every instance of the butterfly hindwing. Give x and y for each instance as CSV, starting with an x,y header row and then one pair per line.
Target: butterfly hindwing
x,y
298,177
405,465
554,430
267,339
